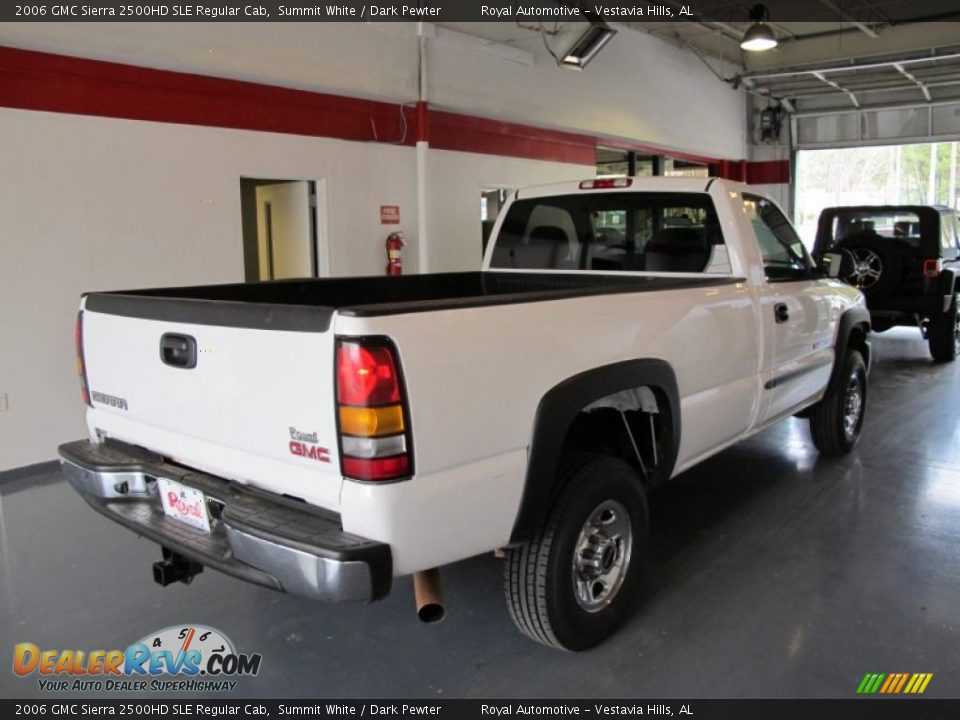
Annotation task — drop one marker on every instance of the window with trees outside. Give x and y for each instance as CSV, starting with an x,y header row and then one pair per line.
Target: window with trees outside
x,y
918,174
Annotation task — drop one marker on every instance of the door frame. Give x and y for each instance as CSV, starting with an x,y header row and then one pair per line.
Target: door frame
x,y
319,218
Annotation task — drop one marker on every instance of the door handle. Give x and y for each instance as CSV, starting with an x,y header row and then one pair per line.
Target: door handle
x,y
781,313
178,351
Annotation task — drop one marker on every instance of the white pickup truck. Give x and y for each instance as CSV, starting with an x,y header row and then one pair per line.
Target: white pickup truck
x,y
321,437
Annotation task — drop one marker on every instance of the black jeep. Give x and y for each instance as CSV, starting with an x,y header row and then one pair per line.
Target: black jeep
x,y
906,260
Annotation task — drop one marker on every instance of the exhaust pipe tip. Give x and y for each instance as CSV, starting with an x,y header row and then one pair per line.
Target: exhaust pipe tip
x,y
431,613
429,597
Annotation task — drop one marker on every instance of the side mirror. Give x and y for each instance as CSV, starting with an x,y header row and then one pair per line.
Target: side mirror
x,y
832,264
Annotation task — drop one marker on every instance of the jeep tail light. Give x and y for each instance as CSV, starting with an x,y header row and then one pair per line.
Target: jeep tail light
x,y
932,268
372,411
81,365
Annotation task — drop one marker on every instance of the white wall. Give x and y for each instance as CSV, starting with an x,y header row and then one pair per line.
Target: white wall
x,y
766,151
781,192
453,193
96,204
637,87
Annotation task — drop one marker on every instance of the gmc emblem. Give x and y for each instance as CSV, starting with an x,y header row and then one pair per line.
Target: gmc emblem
x,y
314,452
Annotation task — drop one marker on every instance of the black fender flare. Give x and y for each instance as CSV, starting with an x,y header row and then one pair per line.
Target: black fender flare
x,y
556,412
855,318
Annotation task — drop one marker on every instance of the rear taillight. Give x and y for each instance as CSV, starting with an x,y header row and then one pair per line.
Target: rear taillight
x,y
932,268
372,413
81,366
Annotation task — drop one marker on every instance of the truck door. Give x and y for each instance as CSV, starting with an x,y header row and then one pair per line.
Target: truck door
x,y
795,310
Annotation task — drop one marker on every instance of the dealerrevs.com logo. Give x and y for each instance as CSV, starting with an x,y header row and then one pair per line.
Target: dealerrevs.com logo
x,y
183,658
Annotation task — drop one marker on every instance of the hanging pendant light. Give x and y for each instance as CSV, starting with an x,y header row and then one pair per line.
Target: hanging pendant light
x,y
759,36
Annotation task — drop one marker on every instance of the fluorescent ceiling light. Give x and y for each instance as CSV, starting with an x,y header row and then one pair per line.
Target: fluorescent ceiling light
x,y
759,36
588,45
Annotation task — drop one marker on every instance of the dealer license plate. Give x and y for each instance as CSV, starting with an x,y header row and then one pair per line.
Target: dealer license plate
x,y
184,504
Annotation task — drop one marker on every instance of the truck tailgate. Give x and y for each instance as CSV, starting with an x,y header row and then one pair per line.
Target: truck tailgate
x,y
257,406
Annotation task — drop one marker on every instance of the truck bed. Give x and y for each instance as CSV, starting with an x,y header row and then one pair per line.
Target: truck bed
x,y
308,304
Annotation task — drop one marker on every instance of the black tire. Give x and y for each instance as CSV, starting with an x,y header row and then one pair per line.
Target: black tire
x,y
831,428
943,335
541,576
868,255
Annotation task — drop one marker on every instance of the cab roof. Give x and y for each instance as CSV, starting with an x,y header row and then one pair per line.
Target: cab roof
x,y
637,184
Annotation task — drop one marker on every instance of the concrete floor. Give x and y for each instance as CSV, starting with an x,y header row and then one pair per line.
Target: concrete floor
x,y
778,574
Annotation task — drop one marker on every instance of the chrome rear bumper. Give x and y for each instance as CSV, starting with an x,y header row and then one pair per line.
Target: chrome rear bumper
x,y
256,536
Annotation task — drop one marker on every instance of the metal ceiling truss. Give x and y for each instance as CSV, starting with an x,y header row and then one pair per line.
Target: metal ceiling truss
x,y
869,27
854,79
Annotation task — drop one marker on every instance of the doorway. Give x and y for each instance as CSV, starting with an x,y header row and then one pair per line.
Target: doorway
x,y
279,222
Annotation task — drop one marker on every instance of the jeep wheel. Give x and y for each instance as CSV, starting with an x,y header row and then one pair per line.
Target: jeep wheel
x,y
836,421
575,581
944,334
875,267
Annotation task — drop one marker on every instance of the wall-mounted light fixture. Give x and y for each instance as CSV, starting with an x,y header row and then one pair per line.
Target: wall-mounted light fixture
x,y
587,45
759,36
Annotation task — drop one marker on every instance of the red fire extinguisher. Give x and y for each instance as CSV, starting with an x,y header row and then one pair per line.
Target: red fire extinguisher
x,y
395,253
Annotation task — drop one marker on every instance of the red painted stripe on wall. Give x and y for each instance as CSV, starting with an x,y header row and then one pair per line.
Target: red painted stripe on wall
x,y
450,131
56,83
732,170
768,172
653,150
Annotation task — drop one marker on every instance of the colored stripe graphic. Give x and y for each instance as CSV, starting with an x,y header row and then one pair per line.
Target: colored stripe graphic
x,y
894,683
903,680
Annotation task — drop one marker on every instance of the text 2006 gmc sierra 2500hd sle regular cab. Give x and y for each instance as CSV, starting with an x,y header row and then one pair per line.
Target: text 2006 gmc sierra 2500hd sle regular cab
x,y
322,437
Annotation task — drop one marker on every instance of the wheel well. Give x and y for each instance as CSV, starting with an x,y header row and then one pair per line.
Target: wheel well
x,y
569,415
631,425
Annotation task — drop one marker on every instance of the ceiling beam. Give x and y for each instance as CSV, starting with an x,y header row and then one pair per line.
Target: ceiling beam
x,y
863,27
805,94
831,83
849,67
923,88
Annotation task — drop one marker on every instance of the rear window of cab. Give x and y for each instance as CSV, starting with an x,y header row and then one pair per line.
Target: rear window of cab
x,y
627,232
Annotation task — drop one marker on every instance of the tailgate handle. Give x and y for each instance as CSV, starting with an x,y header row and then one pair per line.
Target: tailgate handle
x,y
178,350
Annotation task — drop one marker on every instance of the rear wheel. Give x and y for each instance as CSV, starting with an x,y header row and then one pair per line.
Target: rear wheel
x,y
575,581
836,421
944,334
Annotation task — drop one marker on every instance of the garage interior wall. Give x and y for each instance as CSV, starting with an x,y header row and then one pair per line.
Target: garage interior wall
x,y
102,204
92,203
638,88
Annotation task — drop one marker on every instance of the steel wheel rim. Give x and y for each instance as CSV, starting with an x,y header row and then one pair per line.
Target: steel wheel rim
x,y
867,267
852,406
601,556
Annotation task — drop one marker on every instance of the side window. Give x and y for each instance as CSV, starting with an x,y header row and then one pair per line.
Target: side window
x,y
783,252
948,235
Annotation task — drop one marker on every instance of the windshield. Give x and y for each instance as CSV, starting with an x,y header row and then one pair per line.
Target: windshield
x,y
629,231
